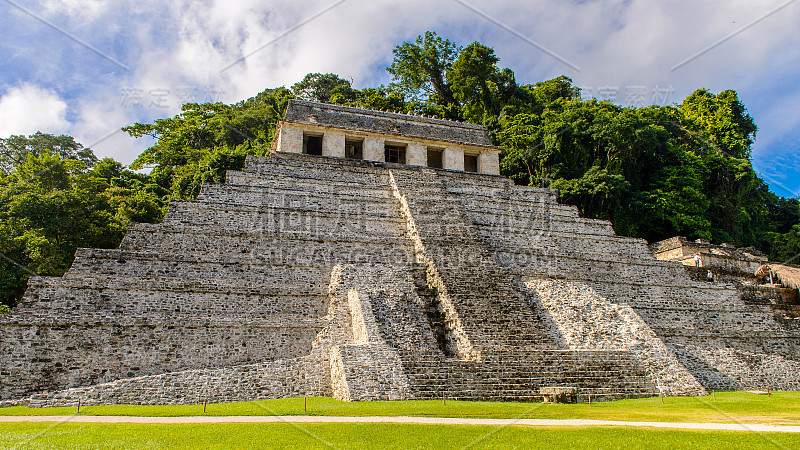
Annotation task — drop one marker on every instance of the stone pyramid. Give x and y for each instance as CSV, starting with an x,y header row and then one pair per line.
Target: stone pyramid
x,y
364,279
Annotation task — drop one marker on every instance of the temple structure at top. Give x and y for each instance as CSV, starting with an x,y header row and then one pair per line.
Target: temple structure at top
x,y
355,133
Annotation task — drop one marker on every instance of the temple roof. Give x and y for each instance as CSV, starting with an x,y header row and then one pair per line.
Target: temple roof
x,y
388,123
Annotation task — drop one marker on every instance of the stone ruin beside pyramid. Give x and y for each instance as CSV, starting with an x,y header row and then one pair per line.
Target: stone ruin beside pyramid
x,y
381,256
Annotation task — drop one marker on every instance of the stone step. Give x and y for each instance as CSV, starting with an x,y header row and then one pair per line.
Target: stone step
x,y
503,199
652,308
483,181
765,337
552,263
700,321
505,192
505,359
492,208
354,173
541,222
503,202
608,381
277,248
601,374
476,378
529,387
142,230
529,395
108,296
556,241
532,391
525,368
491,313
63,321
533,255
82,353
632,292
490,310
286,220
267,200
533,370
309,186
154,265
210,285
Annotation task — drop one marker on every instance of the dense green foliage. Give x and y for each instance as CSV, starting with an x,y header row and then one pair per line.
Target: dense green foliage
x,y
654,172
206,139
57,197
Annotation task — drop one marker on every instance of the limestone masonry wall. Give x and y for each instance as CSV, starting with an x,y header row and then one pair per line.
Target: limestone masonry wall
x,y
386,123
584,320
306,275
724,341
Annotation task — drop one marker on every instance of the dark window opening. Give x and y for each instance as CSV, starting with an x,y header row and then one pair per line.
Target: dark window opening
x,y
395,154
435,158
470,163
312,145
353,149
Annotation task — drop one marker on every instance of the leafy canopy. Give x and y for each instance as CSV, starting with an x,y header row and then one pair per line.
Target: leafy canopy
x,y
51,204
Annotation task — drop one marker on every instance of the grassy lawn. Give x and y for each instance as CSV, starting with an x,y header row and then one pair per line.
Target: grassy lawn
x,y
210,436
779,408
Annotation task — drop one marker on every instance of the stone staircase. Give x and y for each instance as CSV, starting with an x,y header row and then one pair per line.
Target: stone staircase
x,y
725,341
491,311
519,376
514,352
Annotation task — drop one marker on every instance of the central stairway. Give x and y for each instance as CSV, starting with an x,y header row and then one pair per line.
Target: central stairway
x,y
494,315
504,350
518,376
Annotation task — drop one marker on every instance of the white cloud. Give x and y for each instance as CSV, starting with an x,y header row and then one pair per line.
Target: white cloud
x,y
82,10
99,124
28,108
186,44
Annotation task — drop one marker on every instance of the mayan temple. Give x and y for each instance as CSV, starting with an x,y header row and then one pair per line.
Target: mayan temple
x,y
376,256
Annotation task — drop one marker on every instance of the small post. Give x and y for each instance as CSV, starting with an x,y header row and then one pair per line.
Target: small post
x,y
205,402
79,406
768,394
714,393
305,404
590,399
662,398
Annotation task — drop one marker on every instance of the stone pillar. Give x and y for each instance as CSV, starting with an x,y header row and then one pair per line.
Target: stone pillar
x,y
416,154
489,163
453,158
373,149
333,144
290,139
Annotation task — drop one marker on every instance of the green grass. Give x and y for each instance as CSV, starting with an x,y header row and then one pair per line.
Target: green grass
x,y
778,408
211,436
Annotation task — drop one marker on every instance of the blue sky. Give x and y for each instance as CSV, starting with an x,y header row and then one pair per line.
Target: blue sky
x,y
88,67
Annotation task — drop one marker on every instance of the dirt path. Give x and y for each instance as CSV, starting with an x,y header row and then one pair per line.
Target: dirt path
x,y
403,419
